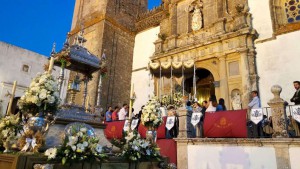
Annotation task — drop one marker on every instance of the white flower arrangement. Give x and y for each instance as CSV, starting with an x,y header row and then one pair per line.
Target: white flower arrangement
x,y
177,99
166,100
10,131
41,96
151,115
77,147
137,148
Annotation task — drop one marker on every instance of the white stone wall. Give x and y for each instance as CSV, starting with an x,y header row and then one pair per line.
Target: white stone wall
x,y
277,59
12,59
143,49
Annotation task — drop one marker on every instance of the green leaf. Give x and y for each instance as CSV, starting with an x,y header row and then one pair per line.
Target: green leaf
x,y
63,161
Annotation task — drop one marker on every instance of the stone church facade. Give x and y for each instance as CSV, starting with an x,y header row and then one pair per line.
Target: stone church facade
x,y
220,36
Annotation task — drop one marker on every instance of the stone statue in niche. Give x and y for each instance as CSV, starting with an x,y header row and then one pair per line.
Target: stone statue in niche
x,y
236,100
197,19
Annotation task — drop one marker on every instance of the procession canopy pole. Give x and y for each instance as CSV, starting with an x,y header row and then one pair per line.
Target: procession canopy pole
x,y
160,86
85,80
182,80
171,81
99,90
8,112
130,105
61,79
194,81
149,85
103,58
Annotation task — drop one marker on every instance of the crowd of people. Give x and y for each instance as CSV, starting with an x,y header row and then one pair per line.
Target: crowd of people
x,y
117,113
263,129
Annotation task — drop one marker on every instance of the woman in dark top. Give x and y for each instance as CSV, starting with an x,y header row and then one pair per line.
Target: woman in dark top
x,y
221,106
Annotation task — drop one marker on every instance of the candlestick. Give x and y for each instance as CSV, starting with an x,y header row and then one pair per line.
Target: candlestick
x,y
51,65
131,101
11,98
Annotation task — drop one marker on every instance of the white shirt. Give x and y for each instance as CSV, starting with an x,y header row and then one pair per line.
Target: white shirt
x,y
211,108
255,103
122,114
163,111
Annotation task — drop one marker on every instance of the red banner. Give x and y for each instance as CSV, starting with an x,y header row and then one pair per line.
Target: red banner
x,y
114,129
226,124
161,131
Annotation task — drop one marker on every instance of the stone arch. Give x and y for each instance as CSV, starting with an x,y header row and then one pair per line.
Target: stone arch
x,y
212,68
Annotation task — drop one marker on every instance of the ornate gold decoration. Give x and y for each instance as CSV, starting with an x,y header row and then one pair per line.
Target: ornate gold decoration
x,y
29,134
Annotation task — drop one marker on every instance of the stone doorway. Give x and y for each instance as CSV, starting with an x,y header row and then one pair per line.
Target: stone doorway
x,y
204,84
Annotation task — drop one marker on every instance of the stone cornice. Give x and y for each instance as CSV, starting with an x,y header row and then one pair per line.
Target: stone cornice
x,y
151,20
239,141
206,42
98,17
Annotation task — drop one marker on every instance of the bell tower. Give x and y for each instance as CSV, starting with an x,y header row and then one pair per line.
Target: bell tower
x,y
109,28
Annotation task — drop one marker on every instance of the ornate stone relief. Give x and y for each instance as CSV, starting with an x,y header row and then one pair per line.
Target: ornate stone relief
x,y
197,20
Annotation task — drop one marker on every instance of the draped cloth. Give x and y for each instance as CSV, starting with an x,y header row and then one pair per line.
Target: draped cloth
x,y
175,64
226,124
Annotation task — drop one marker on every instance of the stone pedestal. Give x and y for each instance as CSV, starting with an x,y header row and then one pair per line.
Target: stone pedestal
x,y
70,114
182,112
277,108
203,153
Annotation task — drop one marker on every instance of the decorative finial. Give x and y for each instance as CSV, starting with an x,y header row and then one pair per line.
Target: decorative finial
x,y
67,44
53,49
80,37
276,90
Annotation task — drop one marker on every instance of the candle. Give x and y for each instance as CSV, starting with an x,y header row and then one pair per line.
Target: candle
x,y
130,102
11,98
157,89
51,65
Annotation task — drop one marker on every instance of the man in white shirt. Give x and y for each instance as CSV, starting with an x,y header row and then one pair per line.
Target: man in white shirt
x,y
255,102
123,112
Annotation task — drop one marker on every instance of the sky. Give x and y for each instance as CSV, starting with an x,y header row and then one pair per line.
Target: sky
x,y
36,24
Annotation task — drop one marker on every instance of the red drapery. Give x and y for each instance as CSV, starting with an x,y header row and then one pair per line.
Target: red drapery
x,y
226,124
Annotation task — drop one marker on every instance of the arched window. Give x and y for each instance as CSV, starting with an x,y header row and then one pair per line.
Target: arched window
x,y
285,15
292,9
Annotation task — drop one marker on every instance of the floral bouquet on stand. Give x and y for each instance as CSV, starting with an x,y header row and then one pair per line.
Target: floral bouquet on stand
x,y
151,115
151,118
137,148
10,131
38,106
41,98
79,146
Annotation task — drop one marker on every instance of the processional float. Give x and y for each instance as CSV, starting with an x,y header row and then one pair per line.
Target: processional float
x,y
78,59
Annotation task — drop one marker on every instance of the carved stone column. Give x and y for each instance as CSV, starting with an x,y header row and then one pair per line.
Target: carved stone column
x,y
252,69
277,109
245,74
223,79
173,16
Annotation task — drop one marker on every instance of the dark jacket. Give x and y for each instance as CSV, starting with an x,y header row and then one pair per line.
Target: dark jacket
x,y
296,97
